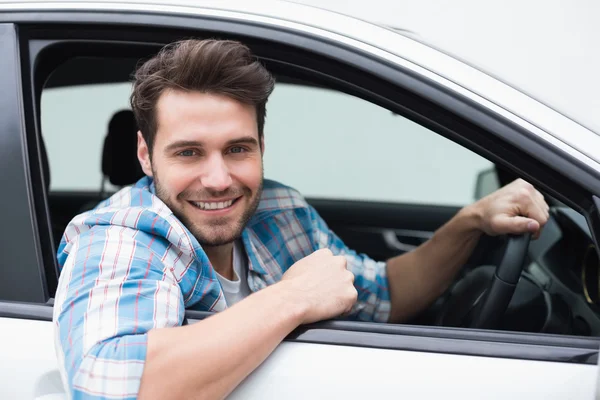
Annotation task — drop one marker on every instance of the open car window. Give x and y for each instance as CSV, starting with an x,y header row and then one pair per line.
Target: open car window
x,y
74,123
358,150
382,182
332,145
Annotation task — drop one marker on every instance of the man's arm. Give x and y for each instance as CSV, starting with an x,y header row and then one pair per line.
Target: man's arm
x,y
417,278
207,360
117,315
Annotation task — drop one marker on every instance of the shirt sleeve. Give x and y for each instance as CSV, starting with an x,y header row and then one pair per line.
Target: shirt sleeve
x,y
111,292
370,280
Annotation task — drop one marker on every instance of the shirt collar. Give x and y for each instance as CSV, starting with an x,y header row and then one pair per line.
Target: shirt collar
x,y
254,263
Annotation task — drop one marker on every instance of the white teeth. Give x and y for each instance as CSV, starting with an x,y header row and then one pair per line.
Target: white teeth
x,y
213,205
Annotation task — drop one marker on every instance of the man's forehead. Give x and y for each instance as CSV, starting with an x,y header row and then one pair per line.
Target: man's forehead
x,y
187,100
203,118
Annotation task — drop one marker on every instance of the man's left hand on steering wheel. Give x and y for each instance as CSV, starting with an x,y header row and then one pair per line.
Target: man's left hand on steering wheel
x,y
514,209
418,277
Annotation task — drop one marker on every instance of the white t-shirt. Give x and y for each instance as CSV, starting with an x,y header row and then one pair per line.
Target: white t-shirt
x,y
238,288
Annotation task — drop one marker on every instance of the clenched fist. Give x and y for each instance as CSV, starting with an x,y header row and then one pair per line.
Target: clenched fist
x,y
323,284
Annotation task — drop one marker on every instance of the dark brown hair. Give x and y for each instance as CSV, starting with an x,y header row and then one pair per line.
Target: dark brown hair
x,y
210,66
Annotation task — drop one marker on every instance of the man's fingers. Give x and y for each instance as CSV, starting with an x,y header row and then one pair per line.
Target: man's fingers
x,y
350,276
532,205
541,203
516,208
323,252
517,225
538,212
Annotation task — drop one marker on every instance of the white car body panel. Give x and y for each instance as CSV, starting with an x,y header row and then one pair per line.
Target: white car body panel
x,y
28,366
360,373
313,371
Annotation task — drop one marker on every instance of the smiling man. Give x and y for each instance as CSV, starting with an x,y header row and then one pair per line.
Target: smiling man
x,y
207,167
203,230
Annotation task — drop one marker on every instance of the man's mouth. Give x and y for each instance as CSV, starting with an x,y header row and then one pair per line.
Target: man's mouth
x,y
214,205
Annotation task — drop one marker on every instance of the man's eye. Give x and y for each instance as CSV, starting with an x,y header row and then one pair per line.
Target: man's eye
x,y
187,153
237,150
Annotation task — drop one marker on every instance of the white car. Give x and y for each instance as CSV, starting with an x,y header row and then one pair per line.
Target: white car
x,y
386,136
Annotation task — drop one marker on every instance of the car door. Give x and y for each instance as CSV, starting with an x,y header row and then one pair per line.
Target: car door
x,y
28,369
335,358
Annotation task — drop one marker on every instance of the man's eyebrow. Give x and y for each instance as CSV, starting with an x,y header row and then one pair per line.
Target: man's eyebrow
x,y
193,143
243,140
182,143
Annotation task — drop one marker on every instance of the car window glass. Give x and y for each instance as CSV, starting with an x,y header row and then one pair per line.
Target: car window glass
x,y
357,150
74,124
329,144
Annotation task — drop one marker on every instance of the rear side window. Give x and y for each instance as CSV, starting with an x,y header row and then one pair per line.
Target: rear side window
x,y
75,122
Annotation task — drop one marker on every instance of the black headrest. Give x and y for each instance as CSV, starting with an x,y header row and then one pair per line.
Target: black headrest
x,y
119,155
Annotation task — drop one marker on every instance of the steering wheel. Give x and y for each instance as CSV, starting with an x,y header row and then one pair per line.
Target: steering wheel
x,y
481,298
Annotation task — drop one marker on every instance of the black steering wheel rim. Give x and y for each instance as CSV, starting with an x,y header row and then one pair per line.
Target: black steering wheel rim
x,y
491,307
481,299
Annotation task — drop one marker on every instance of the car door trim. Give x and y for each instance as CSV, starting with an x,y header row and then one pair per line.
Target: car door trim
x,y
457,341
20,258
514,345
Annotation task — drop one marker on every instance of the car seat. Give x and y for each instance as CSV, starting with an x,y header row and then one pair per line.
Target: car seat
x,y
120,164
119,155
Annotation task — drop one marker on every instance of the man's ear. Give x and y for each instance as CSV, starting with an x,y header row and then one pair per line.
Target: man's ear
x,y
143,154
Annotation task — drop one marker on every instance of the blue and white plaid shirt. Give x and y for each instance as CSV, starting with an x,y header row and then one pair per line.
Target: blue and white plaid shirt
x,y
130,265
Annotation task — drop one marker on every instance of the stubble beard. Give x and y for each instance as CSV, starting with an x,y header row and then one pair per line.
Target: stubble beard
x,y
217,231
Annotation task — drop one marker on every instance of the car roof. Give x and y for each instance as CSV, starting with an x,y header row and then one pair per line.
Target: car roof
x,y
545,49
392,44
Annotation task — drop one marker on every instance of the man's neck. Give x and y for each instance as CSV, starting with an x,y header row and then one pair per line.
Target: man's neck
x,y
221,258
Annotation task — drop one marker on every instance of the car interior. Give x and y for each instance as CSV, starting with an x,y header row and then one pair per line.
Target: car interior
x,y
558,289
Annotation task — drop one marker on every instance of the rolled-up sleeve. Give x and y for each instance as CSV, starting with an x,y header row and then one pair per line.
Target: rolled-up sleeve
x,y
111,292
370,277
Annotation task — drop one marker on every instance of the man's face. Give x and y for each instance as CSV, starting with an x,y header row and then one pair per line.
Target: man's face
x,y
206,163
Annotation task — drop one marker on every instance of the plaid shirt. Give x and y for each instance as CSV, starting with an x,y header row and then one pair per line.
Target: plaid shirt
x,y
130,265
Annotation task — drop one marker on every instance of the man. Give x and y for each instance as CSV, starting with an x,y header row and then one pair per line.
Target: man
x,y
204,231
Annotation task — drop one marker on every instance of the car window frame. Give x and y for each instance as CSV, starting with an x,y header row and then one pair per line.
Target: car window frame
x,y
20,259
411,96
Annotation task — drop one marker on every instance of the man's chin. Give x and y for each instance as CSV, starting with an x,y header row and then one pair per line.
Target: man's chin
x,y
215,239
216,242
209,245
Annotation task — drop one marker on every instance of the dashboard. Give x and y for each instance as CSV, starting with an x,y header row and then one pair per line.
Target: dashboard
x,y
564,265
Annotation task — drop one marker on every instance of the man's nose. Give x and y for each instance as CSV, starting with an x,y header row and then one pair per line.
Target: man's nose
x,y
216,176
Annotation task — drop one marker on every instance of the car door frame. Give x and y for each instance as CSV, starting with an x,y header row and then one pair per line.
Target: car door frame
x,y
23,250
460,119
